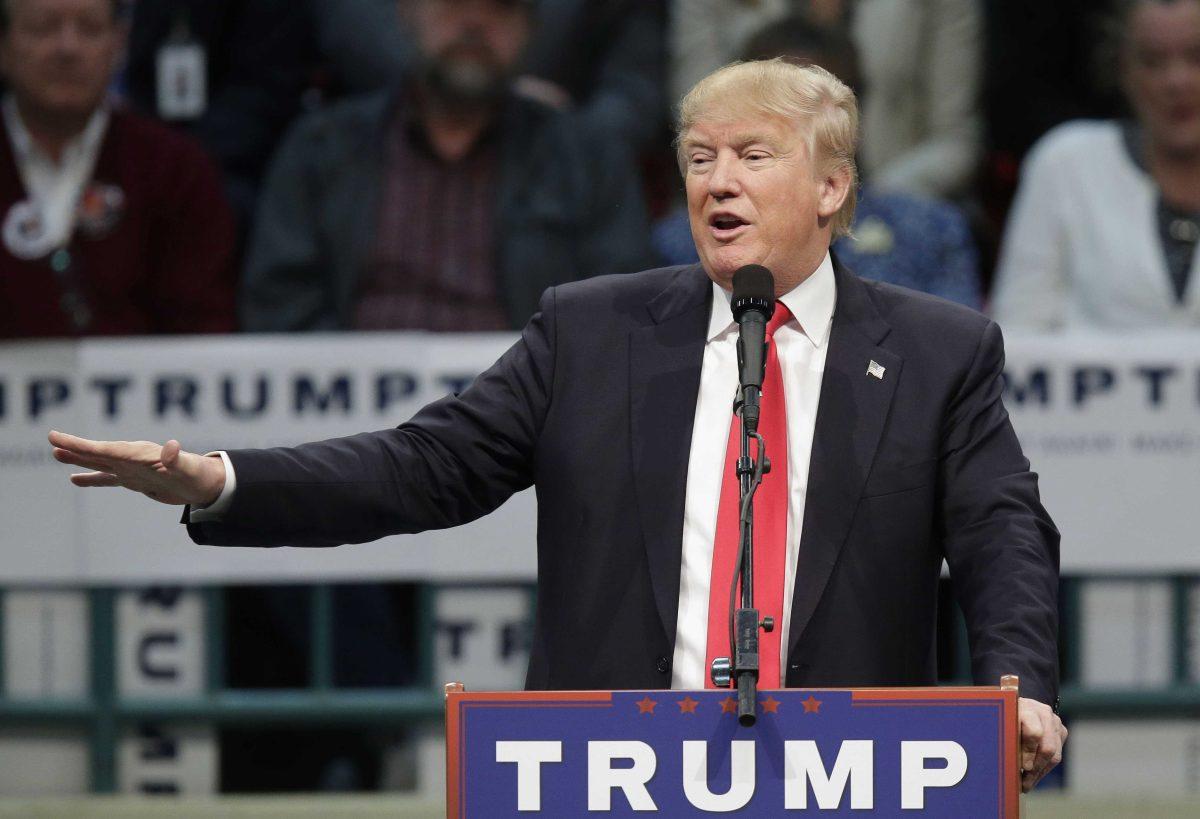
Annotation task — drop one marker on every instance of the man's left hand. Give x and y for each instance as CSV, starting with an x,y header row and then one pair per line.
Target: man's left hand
x,y
1042,738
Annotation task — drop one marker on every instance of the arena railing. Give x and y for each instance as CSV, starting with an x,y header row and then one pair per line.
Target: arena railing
x,y
102,713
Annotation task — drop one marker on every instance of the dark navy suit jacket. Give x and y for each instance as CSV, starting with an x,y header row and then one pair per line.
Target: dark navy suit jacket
x,y
594,407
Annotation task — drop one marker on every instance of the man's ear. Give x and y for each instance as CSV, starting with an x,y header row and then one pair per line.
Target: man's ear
x,y
834,189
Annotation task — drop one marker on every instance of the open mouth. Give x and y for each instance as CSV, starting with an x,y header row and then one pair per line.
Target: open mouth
x,y
726,222
726,225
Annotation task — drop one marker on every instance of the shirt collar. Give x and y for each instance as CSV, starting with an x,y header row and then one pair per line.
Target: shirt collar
x,y
26,149
811,303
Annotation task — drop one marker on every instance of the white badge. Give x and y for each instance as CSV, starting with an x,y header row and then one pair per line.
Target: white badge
x,y
25,232
182,80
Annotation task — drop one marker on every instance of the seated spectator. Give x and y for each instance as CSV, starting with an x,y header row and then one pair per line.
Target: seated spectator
x,y
915,242
603,58
230,72
920,63
112,224
1104,229
447,203
900,238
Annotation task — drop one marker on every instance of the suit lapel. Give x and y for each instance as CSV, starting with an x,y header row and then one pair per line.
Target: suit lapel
x,y
850,418
664,371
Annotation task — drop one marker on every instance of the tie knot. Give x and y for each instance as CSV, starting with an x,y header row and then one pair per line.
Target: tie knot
x,y
779,318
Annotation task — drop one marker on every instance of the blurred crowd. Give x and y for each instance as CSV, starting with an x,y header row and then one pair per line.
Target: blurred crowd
x,y
193,166
212,166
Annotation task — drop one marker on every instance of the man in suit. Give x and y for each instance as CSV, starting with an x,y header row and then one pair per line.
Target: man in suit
x,y
614,404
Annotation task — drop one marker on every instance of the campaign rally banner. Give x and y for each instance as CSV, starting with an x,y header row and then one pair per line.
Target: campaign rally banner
x,y
944,752
1111,423
225,393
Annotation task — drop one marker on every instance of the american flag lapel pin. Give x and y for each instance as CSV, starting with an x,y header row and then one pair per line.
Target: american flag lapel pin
x,y
876,369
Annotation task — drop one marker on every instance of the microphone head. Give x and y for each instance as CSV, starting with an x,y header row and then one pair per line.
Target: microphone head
x,y
753,289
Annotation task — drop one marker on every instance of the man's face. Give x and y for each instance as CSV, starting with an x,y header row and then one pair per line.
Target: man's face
x,y
1162,73
472,46
754,197
59,55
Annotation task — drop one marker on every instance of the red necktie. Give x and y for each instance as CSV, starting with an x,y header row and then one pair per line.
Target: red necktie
x,y
770,525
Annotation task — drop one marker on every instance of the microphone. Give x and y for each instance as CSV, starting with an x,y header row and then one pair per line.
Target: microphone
x,y
753,303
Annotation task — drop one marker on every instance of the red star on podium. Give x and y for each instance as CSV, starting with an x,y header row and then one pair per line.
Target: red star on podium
x,y
812,705
729,706
687,705
770,705
646,705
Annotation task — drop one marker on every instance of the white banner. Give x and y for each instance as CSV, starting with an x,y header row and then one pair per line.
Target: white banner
x,y
225,392
1112,424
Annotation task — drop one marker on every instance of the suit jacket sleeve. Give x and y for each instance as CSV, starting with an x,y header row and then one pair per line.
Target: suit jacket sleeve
x,y
1000,543
456,460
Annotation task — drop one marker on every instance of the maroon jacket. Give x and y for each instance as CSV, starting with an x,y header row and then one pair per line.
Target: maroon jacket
x,y
165,266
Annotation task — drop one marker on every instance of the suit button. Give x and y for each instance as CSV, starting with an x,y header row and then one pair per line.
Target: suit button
x,y
663,665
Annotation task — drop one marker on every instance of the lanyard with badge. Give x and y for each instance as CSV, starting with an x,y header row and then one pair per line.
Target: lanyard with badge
x,y
182,74
98,210
59,204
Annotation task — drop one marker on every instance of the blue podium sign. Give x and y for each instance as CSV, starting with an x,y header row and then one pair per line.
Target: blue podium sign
x,y
942,752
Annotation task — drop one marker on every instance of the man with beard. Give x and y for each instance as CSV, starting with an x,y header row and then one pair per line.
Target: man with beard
x,y
448,203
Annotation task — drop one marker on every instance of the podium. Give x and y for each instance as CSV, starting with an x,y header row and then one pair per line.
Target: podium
x,y
938,752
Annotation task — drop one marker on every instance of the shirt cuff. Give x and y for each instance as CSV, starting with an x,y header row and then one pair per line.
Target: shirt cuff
x,y
217,509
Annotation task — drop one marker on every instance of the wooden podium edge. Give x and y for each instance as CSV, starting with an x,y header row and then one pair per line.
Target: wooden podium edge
x,y
453,690
1010,686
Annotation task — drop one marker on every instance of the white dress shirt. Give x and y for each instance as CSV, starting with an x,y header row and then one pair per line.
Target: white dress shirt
x,y
216,510
802,344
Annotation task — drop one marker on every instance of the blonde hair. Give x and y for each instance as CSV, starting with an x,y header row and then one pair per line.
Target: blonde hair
x,y
820,104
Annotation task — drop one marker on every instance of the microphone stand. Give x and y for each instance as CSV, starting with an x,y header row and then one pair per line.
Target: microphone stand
x,y
752,305
744,620
744,640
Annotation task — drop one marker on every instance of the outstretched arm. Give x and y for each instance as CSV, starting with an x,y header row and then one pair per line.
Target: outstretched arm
x,y
456,460
163,473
